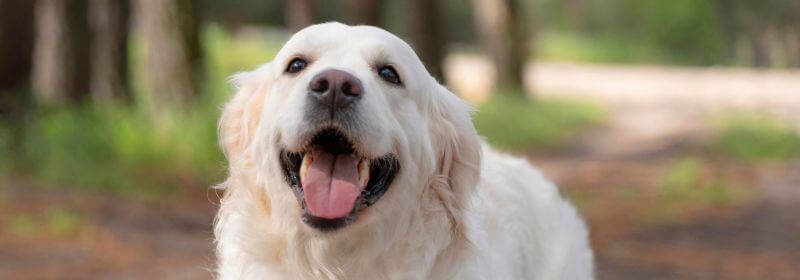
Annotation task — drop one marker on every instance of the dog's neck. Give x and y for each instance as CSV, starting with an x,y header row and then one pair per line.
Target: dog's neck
x,y
390,247
386,248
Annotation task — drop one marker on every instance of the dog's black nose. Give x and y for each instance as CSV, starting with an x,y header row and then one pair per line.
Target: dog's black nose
x,y
335,89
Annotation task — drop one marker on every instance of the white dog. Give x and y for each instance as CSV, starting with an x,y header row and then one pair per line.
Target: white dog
x,y
349,161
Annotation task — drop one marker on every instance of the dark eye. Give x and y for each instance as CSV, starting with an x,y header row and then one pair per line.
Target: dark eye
x,y
296,65
388,74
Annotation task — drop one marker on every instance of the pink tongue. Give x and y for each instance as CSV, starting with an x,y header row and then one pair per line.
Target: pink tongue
x,y
330,186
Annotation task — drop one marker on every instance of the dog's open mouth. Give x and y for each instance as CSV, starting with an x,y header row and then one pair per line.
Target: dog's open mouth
x,y
333,182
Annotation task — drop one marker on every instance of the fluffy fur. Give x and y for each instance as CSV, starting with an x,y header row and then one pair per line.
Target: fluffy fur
x,y
456,210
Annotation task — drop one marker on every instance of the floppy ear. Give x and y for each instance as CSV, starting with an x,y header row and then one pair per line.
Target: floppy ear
x,y
241,114
458,150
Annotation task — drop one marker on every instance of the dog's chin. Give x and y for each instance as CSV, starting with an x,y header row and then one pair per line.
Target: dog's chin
x,y
333,182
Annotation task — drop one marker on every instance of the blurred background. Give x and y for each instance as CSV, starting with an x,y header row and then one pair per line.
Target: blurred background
x,y
672,125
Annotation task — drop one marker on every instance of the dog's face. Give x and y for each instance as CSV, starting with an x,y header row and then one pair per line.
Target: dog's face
x,y
345,127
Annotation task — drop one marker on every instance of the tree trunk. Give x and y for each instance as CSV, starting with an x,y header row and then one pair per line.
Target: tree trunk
x,y
170,36
426,34
16,35
110,26
575,14
504,38
299,14
363,12
61,53
760,50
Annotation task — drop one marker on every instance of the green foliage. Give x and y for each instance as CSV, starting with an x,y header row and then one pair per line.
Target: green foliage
x,y
685,30
53,222
565,46
632,31
757,137
127,149
226,55
61,222
122,149
685,181
22,225
5,149
517,123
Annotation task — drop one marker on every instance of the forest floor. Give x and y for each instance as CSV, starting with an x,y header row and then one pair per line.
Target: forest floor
x,y
660,125
742,222
643,228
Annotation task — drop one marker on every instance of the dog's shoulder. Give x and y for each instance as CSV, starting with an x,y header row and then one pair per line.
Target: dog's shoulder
x,y
524,217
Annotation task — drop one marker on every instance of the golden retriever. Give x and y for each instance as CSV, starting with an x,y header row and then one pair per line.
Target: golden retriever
x,y
349,161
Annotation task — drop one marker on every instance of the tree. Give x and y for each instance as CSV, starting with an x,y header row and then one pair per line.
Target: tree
x,y
427,37
576,14
504,37
299,14
364,12
109,23
758,44
795,46
61,52
16,33
788,17
170,34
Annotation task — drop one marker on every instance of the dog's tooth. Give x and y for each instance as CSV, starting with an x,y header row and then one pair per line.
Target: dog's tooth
x,y
307,159
363,172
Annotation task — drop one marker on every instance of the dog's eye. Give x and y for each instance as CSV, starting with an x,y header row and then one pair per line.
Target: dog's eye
x,y
296,65
388,74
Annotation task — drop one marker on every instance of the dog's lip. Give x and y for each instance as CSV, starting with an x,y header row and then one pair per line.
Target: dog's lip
x,y
382,172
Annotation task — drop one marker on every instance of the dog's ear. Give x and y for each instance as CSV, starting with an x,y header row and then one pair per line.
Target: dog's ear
x,y
240,116
458,150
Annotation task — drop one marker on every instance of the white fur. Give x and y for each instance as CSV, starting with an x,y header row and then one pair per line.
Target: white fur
x,y
456,210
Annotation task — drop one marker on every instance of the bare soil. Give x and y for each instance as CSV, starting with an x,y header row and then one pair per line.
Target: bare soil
x,y
113,238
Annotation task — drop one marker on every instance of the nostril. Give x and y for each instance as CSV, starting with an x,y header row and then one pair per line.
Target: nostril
x,y
351,88
347,88
320,85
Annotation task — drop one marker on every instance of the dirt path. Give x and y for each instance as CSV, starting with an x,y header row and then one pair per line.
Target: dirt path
x,y
49,234
646,101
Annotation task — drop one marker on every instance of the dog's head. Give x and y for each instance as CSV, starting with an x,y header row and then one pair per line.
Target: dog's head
x,y
345,128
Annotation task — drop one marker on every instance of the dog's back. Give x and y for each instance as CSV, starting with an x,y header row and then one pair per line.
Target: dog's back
x,y
529,230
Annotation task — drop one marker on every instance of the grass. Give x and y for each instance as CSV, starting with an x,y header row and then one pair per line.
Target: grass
x,y
54,222
124,149
61,222
562,46
686,180
688,185
5,149
755,137
22,225
517,123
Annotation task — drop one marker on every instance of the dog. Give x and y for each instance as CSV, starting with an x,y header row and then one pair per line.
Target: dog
x,y
348,160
